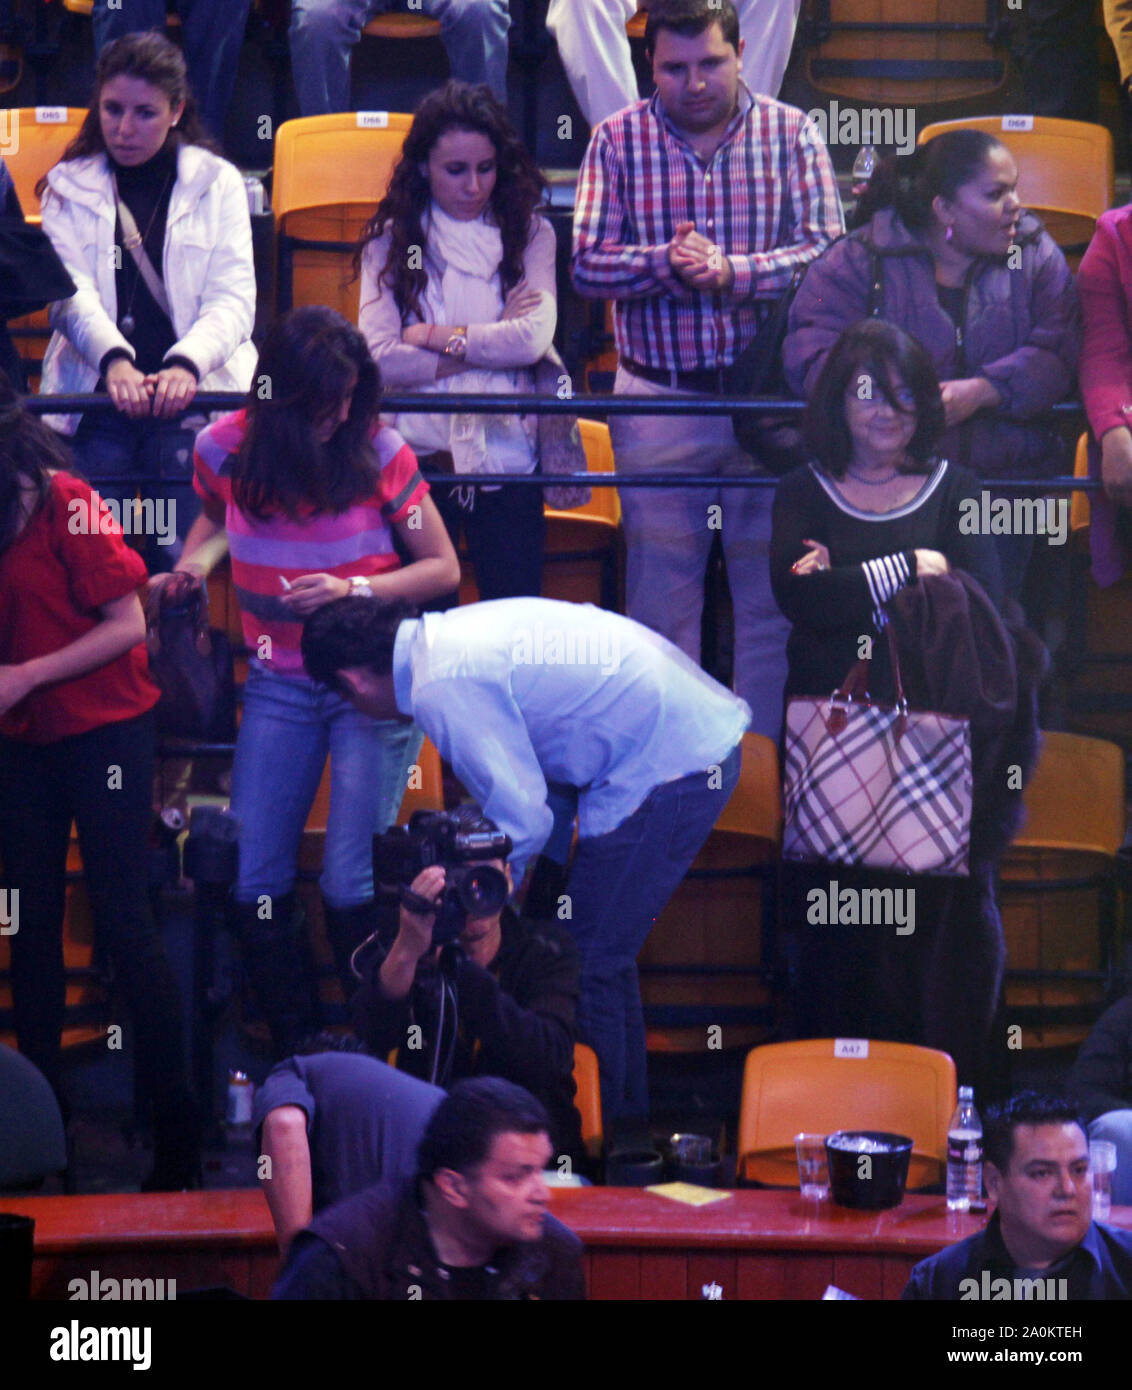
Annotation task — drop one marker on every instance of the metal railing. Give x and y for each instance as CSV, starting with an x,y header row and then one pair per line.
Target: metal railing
x,y
589,407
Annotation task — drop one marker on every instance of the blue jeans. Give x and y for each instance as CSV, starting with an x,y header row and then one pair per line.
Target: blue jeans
x,y
324,31
108,444
290,724
619,884
212,32
1116,1126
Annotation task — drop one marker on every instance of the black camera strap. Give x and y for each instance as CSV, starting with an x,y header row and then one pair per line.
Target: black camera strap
x,y
423,907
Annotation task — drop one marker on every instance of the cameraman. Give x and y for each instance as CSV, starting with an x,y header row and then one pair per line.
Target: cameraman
x,y
499,1001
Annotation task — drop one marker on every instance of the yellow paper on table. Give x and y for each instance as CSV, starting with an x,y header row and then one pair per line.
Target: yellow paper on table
x,y
688,1193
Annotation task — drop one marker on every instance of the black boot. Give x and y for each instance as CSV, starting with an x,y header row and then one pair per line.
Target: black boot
x,y
347,928
277,960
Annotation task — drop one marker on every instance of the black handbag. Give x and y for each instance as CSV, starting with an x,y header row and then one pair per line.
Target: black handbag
x,y
773,440
191,664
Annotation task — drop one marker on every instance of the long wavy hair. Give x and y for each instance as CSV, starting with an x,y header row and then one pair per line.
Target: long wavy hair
x,y
28,452
150,57
937,169
518,190
308,363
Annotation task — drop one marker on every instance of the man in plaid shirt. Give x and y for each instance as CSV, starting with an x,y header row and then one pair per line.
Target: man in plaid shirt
x,y
694,210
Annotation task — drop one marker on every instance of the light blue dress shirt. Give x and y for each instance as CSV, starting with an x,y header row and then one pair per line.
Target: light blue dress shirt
x,y
520,692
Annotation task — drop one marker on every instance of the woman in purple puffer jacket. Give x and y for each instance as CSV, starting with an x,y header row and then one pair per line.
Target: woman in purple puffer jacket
x,y
944,249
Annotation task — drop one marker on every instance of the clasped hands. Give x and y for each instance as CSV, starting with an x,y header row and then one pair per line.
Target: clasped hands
x,y
697,262
161,395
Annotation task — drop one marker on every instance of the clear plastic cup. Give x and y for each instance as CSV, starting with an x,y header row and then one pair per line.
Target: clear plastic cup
x,y
1102,1165
813,1167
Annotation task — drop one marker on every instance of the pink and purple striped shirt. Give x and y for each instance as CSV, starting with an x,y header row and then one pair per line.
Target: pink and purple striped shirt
x,y
357,541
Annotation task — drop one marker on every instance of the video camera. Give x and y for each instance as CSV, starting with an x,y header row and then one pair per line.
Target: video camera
x,y
452,839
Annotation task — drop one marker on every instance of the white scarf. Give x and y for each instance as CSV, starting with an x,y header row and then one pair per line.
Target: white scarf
x,y
464,287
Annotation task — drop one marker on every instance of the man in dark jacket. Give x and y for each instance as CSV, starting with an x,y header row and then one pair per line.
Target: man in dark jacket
x,y
1041,1242
503,1004
472,1225
1101,1083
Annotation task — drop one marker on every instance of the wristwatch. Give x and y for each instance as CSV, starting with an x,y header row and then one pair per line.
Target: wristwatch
x,y
360,587
457,343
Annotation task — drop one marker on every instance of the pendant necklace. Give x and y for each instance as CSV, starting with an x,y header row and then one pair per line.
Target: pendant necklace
x,y
127,322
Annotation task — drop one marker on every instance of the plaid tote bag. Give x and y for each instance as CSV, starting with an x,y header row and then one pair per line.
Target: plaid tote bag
x,y
883,787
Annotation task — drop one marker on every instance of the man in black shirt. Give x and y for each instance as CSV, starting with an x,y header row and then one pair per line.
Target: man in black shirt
x,y
1041,1242
502,1004
472,1225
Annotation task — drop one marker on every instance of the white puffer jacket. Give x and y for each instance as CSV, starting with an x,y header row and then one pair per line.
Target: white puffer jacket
x,y
207,268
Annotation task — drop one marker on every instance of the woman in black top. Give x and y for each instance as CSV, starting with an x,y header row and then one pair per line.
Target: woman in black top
x,y
875,511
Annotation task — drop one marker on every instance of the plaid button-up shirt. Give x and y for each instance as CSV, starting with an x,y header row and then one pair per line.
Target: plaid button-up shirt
x,y
768,198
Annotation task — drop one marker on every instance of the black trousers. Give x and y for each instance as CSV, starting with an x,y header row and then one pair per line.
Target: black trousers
x,y
937,986
1055,43
505,532
103,781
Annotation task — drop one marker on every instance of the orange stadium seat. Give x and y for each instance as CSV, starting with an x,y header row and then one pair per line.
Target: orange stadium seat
x,y
805,1087
329,174
1058,890
702,964
1066,172
587,1098
38,137
903,51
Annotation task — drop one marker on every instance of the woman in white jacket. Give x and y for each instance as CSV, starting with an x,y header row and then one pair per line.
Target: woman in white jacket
x,y
153,227
458,295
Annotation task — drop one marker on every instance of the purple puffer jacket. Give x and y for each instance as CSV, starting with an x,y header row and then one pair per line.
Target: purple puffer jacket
x,y
1021,329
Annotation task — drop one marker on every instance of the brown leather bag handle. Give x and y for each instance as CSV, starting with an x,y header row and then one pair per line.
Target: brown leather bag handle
x,y
854,689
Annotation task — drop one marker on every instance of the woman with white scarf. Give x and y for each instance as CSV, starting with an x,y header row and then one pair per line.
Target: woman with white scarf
x,y
458,296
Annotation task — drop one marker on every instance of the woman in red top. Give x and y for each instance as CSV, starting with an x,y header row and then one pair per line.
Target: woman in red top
x,y
77,743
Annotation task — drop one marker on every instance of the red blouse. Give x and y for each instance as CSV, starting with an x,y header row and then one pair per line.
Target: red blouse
x,y
54,577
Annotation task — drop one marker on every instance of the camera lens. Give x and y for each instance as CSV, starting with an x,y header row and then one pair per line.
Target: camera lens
x,y
483,891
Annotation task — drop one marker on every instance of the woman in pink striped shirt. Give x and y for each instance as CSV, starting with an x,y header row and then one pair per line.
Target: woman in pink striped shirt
x,y
306,488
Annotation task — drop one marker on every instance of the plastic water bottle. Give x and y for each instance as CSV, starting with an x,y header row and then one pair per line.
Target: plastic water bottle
x,y
241,1093
964,1154
865,165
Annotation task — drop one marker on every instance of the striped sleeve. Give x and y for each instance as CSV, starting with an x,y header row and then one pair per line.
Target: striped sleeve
x,y
604,265
212,453
815,212
401,486
886,576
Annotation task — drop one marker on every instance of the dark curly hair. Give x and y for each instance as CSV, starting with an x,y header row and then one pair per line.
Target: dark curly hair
x,y
150,57
518,191
310,359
